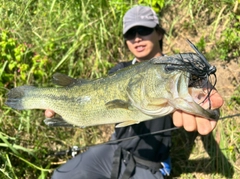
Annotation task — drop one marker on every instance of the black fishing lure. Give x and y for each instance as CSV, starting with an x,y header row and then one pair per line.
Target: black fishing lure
x,y
194,63
202,72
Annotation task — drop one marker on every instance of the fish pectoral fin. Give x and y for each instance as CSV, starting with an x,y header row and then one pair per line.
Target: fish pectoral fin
x,y
158,102
126,123
117,103
57,122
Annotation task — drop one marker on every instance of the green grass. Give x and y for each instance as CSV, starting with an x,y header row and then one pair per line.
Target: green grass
x,y
83,39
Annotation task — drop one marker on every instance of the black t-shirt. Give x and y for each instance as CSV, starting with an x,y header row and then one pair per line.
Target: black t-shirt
x,y
153,147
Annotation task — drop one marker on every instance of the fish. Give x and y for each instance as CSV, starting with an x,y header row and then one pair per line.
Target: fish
x,y
140,92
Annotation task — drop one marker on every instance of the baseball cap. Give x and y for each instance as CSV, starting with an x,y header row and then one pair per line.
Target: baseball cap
x,y
139,16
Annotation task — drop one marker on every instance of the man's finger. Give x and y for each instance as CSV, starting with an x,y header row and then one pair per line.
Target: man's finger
x,y
49,113
216,100
177,118
189,122
203,125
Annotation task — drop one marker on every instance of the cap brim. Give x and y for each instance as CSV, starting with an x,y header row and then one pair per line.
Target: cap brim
x,y
149,24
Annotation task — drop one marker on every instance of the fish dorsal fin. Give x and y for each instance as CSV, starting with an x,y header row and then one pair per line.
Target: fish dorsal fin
x,y
57,122
65,80
117,103
126,123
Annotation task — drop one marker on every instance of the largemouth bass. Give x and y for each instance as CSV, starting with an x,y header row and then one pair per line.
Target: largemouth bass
x,y
141,92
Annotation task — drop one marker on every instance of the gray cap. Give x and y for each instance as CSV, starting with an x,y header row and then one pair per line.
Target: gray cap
x,y
139,16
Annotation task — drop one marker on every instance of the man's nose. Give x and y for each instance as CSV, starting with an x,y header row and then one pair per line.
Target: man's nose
x,y
137,38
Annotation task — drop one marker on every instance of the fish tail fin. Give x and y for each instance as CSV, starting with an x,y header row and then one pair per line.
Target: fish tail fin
x,y
16,97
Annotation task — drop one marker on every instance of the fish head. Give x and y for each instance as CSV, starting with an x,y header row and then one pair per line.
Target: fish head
x,y
177,85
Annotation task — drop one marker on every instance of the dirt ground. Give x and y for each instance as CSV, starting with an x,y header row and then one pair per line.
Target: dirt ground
x,y
228,77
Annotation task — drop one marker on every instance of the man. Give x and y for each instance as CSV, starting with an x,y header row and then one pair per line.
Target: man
x,y
140,157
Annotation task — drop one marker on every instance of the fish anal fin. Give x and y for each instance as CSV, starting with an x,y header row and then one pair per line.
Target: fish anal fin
x,y
126,123
117,103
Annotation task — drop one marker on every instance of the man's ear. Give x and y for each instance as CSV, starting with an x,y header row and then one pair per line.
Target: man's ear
x,y
160,36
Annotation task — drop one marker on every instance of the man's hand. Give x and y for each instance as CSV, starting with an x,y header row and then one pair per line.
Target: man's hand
x,y
195,123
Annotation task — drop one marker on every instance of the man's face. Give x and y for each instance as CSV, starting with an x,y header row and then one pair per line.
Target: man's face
x,y
143,47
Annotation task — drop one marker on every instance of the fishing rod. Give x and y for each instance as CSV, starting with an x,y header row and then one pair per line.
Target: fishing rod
x,y
74,150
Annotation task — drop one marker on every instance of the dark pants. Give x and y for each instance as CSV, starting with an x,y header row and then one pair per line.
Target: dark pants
x,y
96,163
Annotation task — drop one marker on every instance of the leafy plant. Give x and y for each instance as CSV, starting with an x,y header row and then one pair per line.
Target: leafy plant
x,y
156,5
228,44
236,96
201,45
18,64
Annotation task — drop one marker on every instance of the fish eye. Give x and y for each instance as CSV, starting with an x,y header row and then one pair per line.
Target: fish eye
x,y
170,68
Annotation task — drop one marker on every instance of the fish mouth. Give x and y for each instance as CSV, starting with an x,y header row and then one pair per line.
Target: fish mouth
x,y
201,90
199,95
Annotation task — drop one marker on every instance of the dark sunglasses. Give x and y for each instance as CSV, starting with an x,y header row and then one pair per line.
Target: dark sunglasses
x,y
141,30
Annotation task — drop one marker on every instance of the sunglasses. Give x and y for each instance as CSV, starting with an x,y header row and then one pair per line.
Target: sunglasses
x,y
140,30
